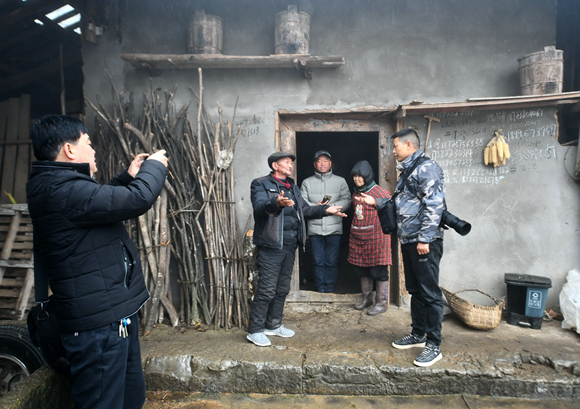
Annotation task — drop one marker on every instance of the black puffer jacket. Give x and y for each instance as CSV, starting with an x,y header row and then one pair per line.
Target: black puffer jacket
x,y
80,239
269,227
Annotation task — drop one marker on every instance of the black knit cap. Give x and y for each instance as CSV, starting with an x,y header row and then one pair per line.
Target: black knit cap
x,y
276,156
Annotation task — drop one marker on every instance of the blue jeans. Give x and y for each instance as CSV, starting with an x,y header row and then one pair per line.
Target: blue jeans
x,y
325,254
106,368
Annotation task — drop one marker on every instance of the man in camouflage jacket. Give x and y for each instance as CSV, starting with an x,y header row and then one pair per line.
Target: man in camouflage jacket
x,y
420,203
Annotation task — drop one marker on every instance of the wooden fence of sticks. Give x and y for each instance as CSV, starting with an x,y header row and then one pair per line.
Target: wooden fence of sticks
x,y
195,216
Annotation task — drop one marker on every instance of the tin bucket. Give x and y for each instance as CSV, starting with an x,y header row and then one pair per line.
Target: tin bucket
x,y
292,34
205,34
542,72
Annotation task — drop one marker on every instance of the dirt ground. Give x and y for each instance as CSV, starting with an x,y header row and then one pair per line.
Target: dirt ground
x,y
163,399
346,329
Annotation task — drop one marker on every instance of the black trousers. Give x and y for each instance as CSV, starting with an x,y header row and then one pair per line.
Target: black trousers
x,y
106,368
377,273
275,267
422,282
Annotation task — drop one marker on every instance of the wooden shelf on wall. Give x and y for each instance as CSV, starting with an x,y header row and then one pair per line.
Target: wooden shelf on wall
x,y
302,62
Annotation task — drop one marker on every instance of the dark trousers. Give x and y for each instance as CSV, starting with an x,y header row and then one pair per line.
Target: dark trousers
x,y
325,256
422,282
275,268
377,273
106,368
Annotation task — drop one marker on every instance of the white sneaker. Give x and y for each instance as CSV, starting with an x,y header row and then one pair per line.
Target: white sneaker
x,y
260,339
281,331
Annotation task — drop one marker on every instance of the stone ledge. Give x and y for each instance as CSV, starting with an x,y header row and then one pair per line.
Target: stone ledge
x,y
354,374
43,389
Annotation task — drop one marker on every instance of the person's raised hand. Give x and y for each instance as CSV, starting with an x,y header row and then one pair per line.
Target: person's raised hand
x,y
282,201
335,211
371,201
136,164
159,156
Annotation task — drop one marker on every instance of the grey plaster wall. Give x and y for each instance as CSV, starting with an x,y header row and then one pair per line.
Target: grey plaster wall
x,y
396,51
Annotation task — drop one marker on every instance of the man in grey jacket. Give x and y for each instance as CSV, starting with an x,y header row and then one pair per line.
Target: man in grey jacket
x,y
325,188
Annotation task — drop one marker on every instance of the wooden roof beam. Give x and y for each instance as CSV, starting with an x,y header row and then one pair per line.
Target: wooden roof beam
x,y
65,16
513,102
44,51
16,71
73,37
77,4
27,9
24,35
36,73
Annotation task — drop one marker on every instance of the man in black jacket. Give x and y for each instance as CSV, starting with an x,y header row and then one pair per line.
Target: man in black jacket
x,y
279,214
92,265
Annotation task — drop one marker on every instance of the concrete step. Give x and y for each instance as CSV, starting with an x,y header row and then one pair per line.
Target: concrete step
x,y
346,352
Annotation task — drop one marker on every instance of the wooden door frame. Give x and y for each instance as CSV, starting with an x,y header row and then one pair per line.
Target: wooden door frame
x,y
379,120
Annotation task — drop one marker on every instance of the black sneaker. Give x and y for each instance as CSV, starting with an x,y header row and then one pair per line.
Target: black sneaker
x,y
431,354
410,341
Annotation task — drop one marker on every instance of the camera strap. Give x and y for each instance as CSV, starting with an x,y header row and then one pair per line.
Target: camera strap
x,y
407,172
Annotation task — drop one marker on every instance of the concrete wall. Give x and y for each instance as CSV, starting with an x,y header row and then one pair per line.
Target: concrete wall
x,y
396,51
524,215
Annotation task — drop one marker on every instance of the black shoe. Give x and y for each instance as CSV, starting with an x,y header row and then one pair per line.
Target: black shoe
x,y
410,341
430,354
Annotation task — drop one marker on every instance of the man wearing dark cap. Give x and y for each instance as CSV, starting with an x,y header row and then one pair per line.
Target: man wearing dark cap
x,y
325,188
279,215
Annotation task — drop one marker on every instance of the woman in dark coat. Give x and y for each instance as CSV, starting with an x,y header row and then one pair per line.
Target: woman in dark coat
x,y
369,248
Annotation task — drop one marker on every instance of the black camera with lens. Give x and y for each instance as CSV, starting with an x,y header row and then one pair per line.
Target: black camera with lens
x,y
450,220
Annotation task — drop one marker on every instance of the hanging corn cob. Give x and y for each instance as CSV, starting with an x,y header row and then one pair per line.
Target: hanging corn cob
x,y
497,150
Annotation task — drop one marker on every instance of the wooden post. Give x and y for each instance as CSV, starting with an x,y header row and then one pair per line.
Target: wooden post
x,y
22,301
23,161
10,151
62,91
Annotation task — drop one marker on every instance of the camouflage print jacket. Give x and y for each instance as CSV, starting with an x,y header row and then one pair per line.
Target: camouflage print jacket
x,y
421,203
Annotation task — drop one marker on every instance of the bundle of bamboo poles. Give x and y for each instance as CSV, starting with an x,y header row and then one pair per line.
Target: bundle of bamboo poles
x,y
196,207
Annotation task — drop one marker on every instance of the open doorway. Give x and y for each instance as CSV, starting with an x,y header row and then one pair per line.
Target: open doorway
x,y
346,148
350,136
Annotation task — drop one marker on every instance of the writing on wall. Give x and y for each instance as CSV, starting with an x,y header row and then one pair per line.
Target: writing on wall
x,y
458,141
249,126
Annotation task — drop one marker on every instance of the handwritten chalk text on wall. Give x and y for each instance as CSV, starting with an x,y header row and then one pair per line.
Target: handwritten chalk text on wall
x,y
457,142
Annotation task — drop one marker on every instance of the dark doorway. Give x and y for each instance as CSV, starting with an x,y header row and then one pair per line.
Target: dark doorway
x,y
346,148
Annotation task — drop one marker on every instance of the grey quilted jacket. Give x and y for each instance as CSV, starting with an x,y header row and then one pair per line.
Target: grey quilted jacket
x,y
315,188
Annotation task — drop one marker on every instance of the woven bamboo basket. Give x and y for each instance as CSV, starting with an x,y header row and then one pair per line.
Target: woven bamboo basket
x,y
476,316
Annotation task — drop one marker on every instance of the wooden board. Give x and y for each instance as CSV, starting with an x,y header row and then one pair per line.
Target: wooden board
x,y
10,151
16,293
194,61
3,122
16,262
23,161
20,245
